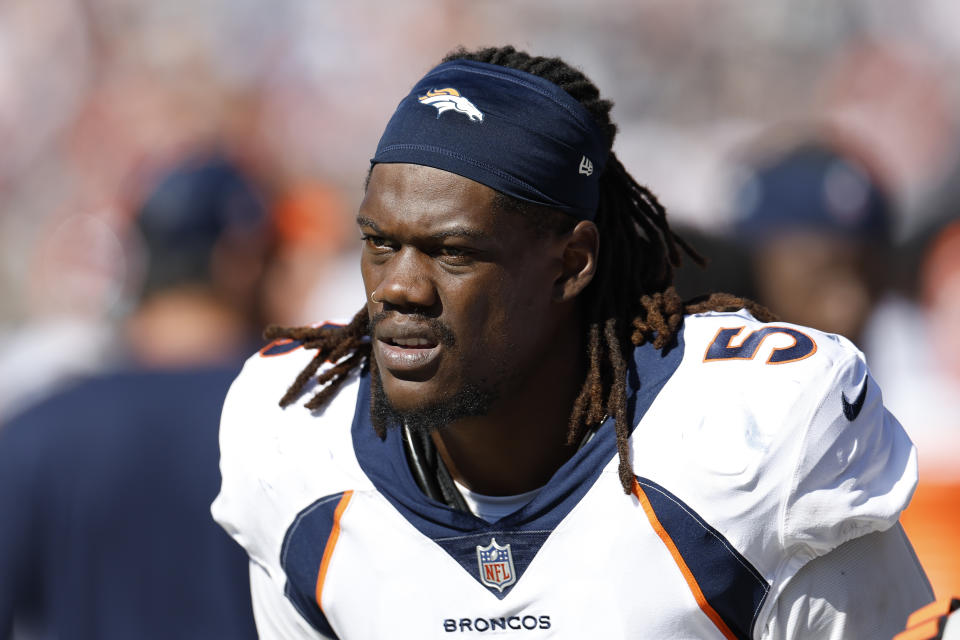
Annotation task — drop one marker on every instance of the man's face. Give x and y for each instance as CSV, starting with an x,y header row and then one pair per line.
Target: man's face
x,y
816,280
460,294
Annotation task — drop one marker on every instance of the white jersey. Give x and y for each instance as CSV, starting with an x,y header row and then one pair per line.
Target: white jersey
x,y
756,447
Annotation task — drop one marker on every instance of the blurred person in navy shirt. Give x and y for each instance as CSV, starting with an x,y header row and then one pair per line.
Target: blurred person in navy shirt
x,y
105,488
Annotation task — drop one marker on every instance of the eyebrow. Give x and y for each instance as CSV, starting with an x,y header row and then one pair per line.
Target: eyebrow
x,y
367,222
443,234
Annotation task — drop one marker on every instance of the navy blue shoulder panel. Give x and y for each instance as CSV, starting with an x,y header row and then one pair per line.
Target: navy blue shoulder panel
x,y
283,346
462,534
730,584
301,555
280,347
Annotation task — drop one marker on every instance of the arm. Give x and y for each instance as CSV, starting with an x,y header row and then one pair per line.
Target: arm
x,y
848,570
865,588
276,617
268,475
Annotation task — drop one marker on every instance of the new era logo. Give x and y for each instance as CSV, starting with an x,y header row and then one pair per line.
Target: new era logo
x,y
586,167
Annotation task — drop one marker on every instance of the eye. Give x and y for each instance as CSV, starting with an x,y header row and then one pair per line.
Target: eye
x,y
454,255
377,243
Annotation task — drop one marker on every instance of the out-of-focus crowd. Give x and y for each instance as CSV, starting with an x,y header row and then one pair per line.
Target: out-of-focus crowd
x,y
176,175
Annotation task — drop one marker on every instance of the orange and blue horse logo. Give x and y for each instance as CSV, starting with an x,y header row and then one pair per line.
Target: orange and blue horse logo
x,y
450,100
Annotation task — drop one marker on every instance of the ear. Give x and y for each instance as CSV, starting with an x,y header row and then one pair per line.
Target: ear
x,y
580,251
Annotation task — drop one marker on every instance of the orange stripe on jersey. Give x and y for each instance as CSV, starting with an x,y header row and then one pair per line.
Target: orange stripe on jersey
x,y
681,563
331,543
929,630
933,610
274,349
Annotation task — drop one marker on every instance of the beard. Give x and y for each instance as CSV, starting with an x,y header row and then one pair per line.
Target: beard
x,y
468,401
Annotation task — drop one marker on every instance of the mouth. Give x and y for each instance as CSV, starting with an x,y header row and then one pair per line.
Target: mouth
x,y
409,354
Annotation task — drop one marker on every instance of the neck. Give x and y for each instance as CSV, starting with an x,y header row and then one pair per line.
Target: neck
x,y
185,327
521,442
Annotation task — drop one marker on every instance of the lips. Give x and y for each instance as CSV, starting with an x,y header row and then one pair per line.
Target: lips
x,y
408,352
413,343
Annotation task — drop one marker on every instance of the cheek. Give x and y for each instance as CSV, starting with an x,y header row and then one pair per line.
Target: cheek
x,y
372,276
506,318
368,273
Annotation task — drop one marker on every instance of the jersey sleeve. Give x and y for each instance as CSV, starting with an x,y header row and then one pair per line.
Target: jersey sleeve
x,y
275,616
257,499
853,472
274,462
246,506
856,469
865,588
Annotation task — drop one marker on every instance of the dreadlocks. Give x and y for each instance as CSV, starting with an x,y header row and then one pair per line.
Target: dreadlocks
x,y
631,300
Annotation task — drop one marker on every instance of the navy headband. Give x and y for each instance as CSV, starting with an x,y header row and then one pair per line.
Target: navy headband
x,y
517,133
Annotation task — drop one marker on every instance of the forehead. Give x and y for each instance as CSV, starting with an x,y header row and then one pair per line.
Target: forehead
x,y
426,198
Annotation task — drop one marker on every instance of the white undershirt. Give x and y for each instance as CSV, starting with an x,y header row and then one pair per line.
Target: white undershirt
x,y
492,508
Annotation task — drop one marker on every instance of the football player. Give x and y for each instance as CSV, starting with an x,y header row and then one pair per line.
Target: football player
x,y
526,431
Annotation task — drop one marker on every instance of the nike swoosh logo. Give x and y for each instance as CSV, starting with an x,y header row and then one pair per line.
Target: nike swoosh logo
x,y
852,409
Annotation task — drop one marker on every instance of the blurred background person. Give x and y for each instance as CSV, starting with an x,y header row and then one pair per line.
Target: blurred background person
x,y
75,275
105,487
926,389
817,224
313,275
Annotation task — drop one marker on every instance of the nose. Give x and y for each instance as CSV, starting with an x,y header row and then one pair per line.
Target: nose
x,y
405,282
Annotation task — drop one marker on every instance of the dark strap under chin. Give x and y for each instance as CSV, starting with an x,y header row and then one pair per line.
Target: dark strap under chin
x,y
432,475
428,470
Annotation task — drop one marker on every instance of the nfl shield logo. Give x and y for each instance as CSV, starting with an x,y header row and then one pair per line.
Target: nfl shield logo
x,y
496,565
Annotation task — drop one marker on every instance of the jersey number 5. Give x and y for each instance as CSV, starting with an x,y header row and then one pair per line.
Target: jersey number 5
x,y
720,349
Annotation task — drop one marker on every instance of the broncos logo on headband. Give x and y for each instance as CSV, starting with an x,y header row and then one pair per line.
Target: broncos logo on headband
x,y
450,99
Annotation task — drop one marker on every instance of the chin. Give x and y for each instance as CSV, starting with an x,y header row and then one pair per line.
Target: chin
x,y
409,395
422,407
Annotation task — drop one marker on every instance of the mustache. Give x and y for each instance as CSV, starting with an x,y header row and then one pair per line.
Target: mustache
x,y
440,331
